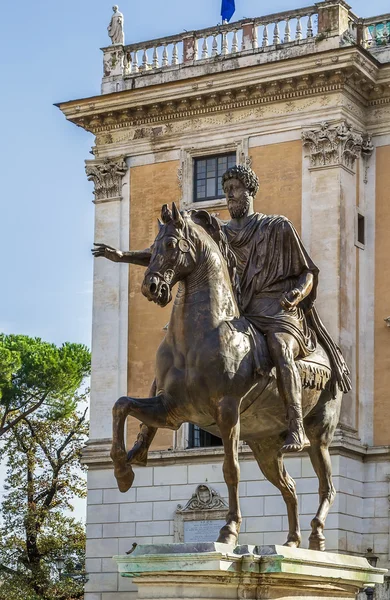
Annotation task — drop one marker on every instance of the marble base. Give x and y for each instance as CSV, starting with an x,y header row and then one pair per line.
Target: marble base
x,y
218,571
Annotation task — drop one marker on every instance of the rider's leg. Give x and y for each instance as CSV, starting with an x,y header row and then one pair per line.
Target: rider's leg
x,y
284,349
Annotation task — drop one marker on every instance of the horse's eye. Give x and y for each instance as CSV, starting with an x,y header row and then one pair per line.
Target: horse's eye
x,y
171,244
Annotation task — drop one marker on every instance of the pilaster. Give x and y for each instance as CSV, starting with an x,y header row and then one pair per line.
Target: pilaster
x,y
333,150
110,295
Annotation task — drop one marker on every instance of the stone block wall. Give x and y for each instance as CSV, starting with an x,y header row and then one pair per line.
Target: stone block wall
x,y
358,519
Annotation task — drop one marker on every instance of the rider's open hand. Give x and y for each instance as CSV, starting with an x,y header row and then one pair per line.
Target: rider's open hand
x,y
107,252
291,299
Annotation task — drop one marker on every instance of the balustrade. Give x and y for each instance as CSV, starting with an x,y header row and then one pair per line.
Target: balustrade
x,y
376,32
225,40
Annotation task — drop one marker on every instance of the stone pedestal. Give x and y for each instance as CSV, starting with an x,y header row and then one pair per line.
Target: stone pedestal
x,y
210,570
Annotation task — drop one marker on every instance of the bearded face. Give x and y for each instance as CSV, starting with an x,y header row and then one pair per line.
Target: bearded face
x,y
237,197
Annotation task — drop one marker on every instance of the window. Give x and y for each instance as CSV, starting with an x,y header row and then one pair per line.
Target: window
x,y
360,229
198,438
208,173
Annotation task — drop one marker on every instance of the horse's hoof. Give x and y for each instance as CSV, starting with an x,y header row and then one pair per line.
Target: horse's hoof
x,y
317,542
124,478
227,536
293,543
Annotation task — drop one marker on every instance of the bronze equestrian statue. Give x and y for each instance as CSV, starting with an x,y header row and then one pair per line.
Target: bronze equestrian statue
x,y
244,346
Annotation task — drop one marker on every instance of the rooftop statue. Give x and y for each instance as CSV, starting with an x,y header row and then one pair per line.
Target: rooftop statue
x,y
246,355
115,28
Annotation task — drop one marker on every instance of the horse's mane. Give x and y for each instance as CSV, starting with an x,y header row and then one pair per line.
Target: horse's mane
x,y
213,227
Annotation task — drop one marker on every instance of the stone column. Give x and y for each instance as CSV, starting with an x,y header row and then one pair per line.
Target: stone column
x,y
109,321
330,215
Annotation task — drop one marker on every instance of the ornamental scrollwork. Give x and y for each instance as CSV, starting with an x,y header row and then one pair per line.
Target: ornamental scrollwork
x,y
106,175
204,498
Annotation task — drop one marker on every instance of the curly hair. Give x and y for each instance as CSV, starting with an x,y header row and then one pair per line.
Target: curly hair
x,y
245,175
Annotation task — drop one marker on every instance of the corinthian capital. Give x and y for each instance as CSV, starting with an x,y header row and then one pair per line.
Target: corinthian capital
x,y
106,175
335,145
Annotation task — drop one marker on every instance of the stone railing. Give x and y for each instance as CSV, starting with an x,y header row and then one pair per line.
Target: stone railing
x,y
376,31
228,40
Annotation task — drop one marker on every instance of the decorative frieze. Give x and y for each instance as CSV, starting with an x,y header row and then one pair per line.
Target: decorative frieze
x,y
331,145
106,175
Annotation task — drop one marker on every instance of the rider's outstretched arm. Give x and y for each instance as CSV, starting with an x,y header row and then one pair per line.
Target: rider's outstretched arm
x,y
138,257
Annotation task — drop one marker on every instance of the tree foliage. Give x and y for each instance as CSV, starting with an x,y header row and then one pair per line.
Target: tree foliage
x,y
43,475
40,396
36,375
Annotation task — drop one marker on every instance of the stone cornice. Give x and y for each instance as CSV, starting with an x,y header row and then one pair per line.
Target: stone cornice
x,y
96,454
325,72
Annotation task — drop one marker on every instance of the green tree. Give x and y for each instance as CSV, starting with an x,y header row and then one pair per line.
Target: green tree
x,y
43,476
38,376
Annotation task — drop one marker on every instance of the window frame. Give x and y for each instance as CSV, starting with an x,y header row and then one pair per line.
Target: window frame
x,y
186,170
195,162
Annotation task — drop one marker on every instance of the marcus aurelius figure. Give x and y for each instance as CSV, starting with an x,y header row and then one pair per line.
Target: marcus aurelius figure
x,y
278,285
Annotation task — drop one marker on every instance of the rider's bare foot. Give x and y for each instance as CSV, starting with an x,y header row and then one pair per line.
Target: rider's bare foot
x,y
296,440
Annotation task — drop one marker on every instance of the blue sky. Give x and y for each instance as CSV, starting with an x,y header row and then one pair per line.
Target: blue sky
x,y
51,53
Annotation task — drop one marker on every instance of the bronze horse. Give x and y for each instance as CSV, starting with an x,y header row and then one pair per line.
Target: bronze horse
x,y
206,375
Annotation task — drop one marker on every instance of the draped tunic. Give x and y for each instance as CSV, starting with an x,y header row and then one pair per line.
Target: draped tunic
x,y
270,261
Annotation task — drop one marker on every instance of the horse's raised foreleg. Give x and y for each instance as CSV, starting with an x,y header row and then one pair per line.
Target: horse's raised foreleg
x,y
320,459
152,412
228,421
138,455
271,464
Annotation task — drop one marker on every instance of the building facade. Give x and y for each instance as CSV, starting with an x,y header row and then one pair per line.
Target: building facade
x,y
304,98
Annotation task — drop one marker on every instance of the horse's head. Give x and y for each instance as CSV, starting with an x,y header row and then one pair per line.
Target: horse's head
x,y
173,257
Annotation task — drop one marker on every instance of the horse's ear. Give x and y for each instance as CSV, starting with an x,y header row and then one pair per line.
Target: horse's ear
x,y
166,215
160,225
176,216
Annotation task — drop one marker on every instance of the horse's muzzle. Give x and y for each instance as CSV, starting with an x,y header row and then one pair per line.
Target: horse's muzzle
x,y
155,289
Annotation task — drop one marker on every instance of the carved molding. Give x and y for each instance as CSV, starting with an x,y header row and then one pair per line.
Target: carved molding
x,y
331,145
154,119
106,175
204,498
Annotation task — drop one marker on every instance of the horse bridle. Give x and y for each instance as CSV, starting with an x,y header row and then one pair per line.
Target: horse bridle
x,y
185,245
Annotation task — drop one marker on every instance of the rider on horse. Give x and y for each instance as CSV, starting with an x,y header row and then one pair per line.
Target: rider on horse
x,y
278,283
277,290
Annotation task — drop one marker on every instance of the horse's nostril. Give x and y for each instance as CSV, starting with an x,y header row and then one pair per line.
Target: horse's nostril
x,y
153,288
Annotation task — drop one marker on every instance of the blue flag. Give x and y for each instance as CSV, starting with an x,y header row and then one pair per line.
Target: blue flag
x,y
227,9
